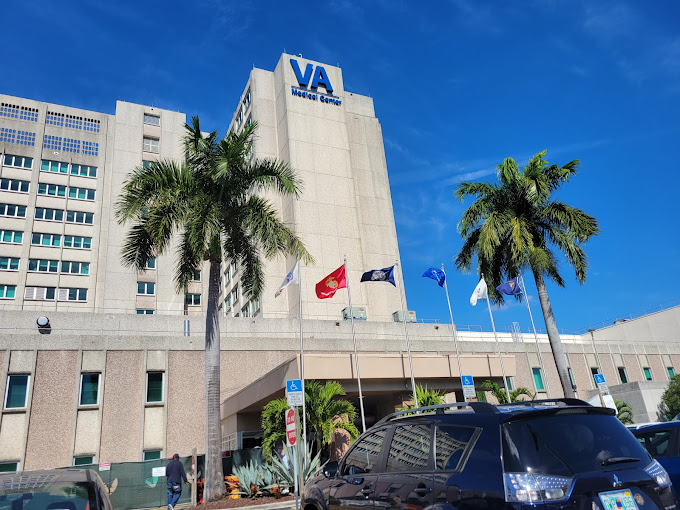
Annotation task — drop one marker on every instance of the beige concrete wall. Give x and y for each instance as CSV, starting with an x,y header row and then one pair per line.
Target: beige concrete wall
x,y
53,397
186,402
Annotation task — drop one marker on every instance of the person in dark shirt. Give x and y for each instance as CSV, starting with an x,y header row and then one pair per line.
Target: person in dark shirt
x,y
175,475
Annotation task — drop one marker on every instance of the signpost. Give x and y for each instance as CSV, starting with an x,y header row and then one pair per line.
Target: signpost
x,y
601,387
294,392
468,386
292,441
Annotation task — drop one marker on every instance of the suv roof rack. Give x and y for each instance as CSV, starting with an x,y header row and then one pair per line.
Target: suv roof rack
x,y
477,407
485,407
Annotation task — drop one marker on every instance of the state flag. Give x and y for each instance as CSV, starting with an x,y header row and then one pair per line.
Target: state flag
x,y
480,292
379,275
293,276
511,287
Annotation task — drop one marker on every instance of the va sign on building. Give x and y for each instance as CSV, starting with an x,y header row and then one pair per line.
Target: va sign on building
x,y
317,76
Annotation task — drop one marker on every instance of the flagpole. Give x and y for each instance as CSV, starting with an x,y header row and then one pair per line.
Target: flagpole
x,y
302,362
498,347
408,343
356,356
538,347
453,330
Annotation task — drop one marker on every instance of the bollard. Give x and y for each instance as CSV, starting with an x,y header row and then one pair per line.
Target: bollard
x,y
187,327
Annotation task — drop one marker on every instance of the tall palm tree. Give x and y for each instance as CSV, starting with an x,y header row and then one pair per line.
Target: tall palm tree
x,y
513,225
213,202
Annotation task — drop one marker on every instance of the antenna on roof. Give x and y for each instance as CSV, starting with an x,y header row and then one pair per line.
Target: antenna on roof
x,y
300,55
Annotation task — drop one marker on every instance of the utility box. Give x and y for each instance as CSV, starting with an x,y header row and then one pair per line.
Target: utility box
x,y
399,316
358,312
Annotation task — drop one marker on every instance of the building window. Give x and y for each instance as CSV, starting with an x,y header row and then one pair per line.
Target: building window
x,y
85,218
43,266
26,138
84,171
9,110
192,299
144,311
227,301
255,306
648,373
9,264
151,263
227,275
54,119
73,294
7,291
29,114
40,293
46,239
52,190
72,267
671,372
72,145
81,193
92,125
57,167
571,378
89,389
196,277
13,211
146,288
152,455
8,135
234,294
622,375
90,148
8,467
245,311
83,460
152,120
14,185
16,394
511,382
52,142
18,161
74,122
48,214
538,379
150,145
11,236
154,387
84,243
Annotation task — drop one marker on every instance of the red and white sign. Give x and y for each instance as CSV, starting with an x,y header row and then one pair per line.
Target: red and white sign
x,y
105,466
291,428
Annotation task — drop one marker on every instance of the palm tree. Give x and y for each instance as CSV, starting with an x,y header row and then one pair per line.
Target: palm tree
x,y
213,201
624,412
501,395
325,414
513,225
426,397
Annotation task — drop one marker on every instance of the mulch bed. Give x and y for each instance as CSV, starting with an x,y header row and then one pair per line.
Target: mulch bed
x,y
241,502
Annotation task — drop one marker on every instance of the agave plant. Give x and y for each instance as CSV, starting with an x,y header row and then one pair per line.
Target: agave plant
x,y
286,475
254,479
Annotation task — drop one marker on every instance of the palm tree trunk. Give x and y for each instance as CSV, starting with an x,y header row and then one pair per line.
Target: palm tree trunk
x,y
214,478
553,335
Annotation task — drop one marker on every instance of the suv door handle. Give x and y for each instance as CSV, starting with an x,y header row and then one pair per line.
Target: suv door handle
x,y
366,490
422,490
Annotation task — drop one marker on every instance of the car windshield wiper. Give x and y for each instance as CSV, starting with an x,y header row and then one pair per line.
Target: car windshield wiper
x,y
618,460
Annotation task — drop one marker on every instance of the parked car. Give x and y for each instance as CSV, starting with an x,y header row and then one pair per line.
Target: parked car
x,y
662,441
53,489
558,454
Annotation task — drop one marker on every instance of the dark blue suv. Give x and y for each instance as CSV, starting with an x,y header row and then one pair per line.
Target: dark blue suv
x,y
555,454
662,441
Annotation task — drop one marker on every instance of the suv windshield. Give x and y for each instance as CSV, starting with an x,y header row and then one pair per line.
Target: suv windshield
x,y
565,444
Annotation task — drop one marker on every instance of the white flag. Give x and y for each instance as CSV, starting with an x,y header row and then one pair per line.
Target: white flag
x,y
293,276
480,292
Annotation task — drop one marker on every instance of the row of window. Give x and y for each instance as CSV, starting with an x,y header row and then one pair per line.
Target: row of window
x,y
53,190
50,293
41,239
48,165
46,266
57,143
14,111
80,460
47,214
17,136
73,121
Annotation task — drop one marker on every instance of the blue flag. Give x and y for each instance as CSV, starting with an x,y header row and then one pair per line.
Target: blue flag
x,y
511,287
379,275
435,274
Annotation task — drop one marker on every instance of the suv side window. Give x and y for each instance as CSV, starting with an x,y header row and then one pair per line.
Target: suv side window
x,y
452,445
410,448
364,455
657,442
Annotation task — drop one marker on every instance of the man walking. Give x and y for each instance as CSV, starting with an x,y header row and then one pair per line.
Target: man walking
x,y
174,474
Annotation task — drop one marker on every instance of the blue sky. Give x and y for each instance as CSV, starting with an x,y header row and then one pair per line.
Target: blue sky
x,y
457,85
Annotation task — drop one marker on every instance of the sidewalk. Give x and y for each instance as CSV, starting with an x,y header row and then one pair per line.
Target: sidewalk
x,y
282,505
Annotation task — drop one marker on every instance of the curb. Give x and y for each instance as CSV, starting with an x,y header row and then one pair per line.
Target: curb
x,y
267,506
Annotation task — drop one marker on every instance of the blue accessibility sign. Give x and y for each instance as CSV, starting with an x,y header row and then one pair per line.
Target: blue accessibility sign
x,y
294,386
599,378
467,380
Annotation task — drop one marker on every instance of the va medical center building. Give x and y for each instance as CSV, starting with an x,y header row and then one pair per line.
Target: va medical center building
x,y
118,375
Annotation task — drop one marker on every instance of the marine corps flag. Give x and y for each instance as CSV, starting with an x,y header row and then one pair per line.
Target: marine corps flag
x,y
336,280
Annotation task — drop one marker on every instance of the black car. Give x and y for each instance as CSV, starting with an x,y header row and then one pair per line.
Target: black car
x,y
53,489
555,454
